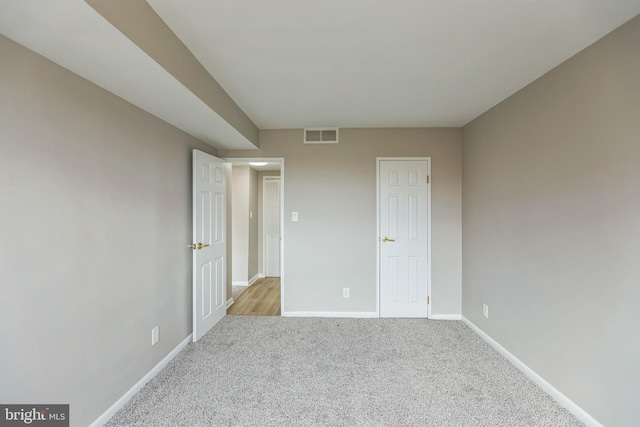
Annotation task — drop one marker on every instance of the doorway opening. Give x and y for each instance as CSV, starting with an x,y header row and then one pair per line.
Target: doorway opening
x,y
255,223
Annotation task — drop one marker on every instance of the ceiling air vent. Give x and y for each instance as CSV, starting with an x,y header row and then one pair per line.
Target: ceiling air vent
x,y
321,136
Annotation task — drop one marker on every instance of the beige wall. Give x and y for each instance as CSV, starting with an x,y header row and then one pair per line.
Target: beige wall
x,y
333,187
244,226
551,226
95,218
240,224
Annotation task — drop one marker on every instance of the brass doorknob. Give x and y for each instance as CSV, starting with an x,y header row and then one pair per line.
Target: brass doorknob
x,y
195,246
385,239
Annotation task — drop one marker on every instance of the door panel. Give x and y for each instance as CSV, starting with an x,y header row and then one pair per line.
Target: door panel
x,y
205,296
404,240
209,234
272,226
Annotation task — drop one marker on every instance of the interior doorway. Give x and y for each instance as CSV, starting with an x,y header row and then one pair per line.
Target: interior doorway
x,y
256,283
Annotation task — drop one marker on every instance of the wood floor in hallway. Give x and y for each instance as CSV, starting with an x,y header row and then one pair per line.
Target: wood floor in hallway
x,y
261,299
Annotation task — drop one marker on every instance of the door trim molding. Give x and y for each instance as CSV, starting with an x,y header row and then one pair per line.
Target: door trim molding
x,y
378,160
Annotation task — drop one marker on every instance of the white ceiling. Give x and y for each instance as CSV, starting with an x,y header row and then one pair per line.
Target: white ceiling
x,y
345,63
363,63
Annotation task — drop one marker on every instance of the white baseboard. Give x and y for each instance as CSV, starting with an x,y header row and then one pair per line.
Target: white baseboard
x,y
247,283
446,317
102,419
563,400
262,275
230,302
352,314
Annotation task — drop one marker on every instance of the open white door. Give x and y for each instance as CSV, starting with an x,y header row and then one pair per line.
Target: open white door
x,y
209,242
403,215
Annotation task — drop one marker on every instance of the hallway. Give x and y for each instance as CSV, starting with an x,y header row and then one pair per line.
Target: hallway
x,y
261,299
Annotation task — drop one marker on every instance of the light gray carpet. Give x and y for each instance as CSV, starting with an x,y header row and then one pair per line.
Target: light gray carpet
x,y
236,291
272,371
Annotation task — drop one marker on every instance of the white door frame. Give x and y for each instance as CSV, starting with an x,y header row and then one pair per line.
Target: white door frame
x,y
378,237
280,160
264,230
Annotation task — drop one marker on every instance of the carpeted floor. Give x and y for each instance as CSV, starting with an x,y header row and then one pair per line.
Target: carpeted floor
x,y
272,371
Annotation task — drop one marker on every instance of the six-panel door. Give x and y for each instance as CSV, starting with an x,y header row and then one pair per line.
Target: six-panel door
x,y
404,242
209,234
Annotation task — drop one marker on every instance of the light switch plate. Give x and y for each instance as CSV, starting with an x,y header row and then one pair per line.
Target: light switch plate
x,y
155,335
294,216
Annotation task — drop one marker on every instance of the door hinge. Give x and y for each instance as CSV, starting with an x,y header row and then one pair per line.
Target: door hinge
x,y
428,300
427,179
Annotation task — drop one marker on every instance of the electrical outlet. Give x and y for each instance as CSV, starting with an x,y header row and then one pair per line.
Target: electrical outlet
x,y
485,310
155,335
345,292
